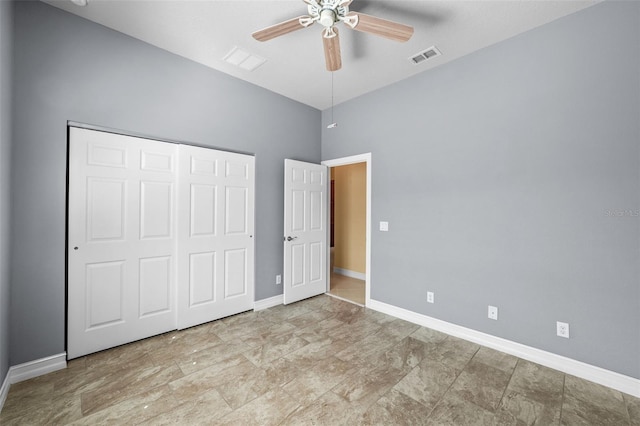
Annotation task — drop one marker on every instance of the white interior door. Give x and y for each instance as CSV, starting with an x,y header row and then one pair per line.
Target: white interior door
x,y
215,236
121,259
305,245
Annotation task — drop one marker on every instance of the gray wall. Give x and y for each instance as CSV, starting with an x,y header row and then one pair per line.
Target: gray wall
x,y
496,173
6,30
67,68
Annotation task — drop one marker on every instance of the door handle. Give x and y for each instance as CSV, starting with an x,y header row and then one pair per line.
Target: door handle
x,y
291,238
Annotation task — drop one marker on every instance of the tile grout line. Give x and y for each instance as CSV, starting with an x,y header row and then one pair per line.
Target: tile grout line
x,y
504,393
564,382
453,382
626,406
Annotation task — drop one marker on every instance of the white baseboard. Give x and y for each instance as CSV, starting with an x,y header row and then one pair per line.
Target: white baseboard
x,y
38,367
29,370
268,303
348,273
626,384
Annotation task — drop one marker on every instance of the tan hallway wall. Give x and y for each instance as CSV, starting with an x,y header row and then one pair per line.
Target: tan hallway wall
x,y
350,214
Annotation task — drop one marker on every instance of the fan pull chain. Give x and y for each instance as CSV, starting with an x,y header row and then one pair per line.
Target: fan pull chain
x,y
333,123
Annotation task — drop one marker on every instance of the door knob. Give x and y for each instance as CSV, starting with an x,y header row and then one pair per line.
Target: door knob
x,y
291,238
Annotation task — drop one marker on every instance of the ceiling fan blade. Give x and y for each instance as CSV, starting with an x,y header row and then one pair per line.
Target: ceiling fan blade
x,y
332,50
382,27
279,29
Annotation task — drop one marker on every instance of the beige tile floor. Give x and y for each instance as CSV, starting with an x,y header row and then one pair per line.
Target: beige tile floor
x,y
348,288
318,361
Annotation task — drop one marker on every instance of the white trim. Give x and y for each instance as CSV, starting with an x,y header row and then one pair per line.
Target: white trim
x,y
351,274
4,390
29,370
344,299
270,302
361,158
38,367
626,384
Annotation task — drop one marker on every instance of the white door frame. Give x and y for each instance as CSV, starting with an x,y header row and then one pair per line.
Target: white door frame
x,y
344,161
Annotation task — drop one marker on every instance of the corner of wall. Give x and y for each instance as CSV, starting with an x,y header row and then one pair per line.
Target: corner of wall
x,y
6,66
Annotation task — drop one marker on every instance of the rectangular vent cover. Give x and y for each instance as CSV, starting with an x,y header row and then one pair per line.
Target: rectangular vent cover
x,y
243,59
429,53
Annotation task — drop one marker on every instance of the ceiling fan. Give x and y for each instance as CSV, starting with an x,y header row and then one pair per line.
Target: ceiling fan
x,y
328,13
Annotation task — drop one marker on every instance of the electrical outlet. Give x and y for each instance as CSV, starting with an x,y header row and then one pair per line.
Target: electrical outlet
x,y
430,297
562,329
278,279
493,312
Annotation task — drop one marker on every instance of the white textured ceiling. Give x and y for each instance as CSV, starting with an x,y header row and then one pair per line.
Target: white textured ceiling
x,y
206,30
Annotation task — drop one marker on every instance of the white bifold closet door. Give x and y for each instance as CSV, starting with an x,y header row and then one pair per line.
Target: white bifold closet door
x,y
215,235
160,237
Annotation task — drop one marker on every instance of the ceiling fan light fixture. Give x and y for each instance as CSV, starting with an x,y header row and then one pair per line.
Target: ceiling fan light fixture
x,y
328,13
327,18
79,2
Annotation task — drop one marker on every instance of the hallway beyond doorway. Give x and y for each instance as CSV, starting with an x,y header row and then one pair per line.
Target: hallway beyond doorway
x,y
354,159
347,288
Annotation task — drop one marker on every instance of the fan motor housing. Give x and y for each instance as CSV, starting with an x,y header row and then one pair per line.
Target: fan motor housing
x,y
327,17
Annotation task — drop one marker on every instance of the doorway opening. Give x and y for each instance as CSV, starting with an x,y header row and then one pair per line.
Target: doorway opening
x,y
349,228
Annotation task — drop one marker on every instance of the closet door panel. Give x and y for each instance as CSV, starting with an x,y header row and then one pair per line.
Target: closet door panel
x,y
121,249
215,235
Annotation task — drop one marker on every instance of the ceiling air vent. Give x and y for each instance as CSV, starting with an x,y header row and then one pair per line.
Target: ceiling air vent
x,y
431,52
243,59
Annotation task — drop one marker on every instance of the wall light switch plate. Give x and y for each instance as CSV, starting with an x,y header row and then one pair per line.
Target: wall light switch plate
x,y
384,226
493,312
